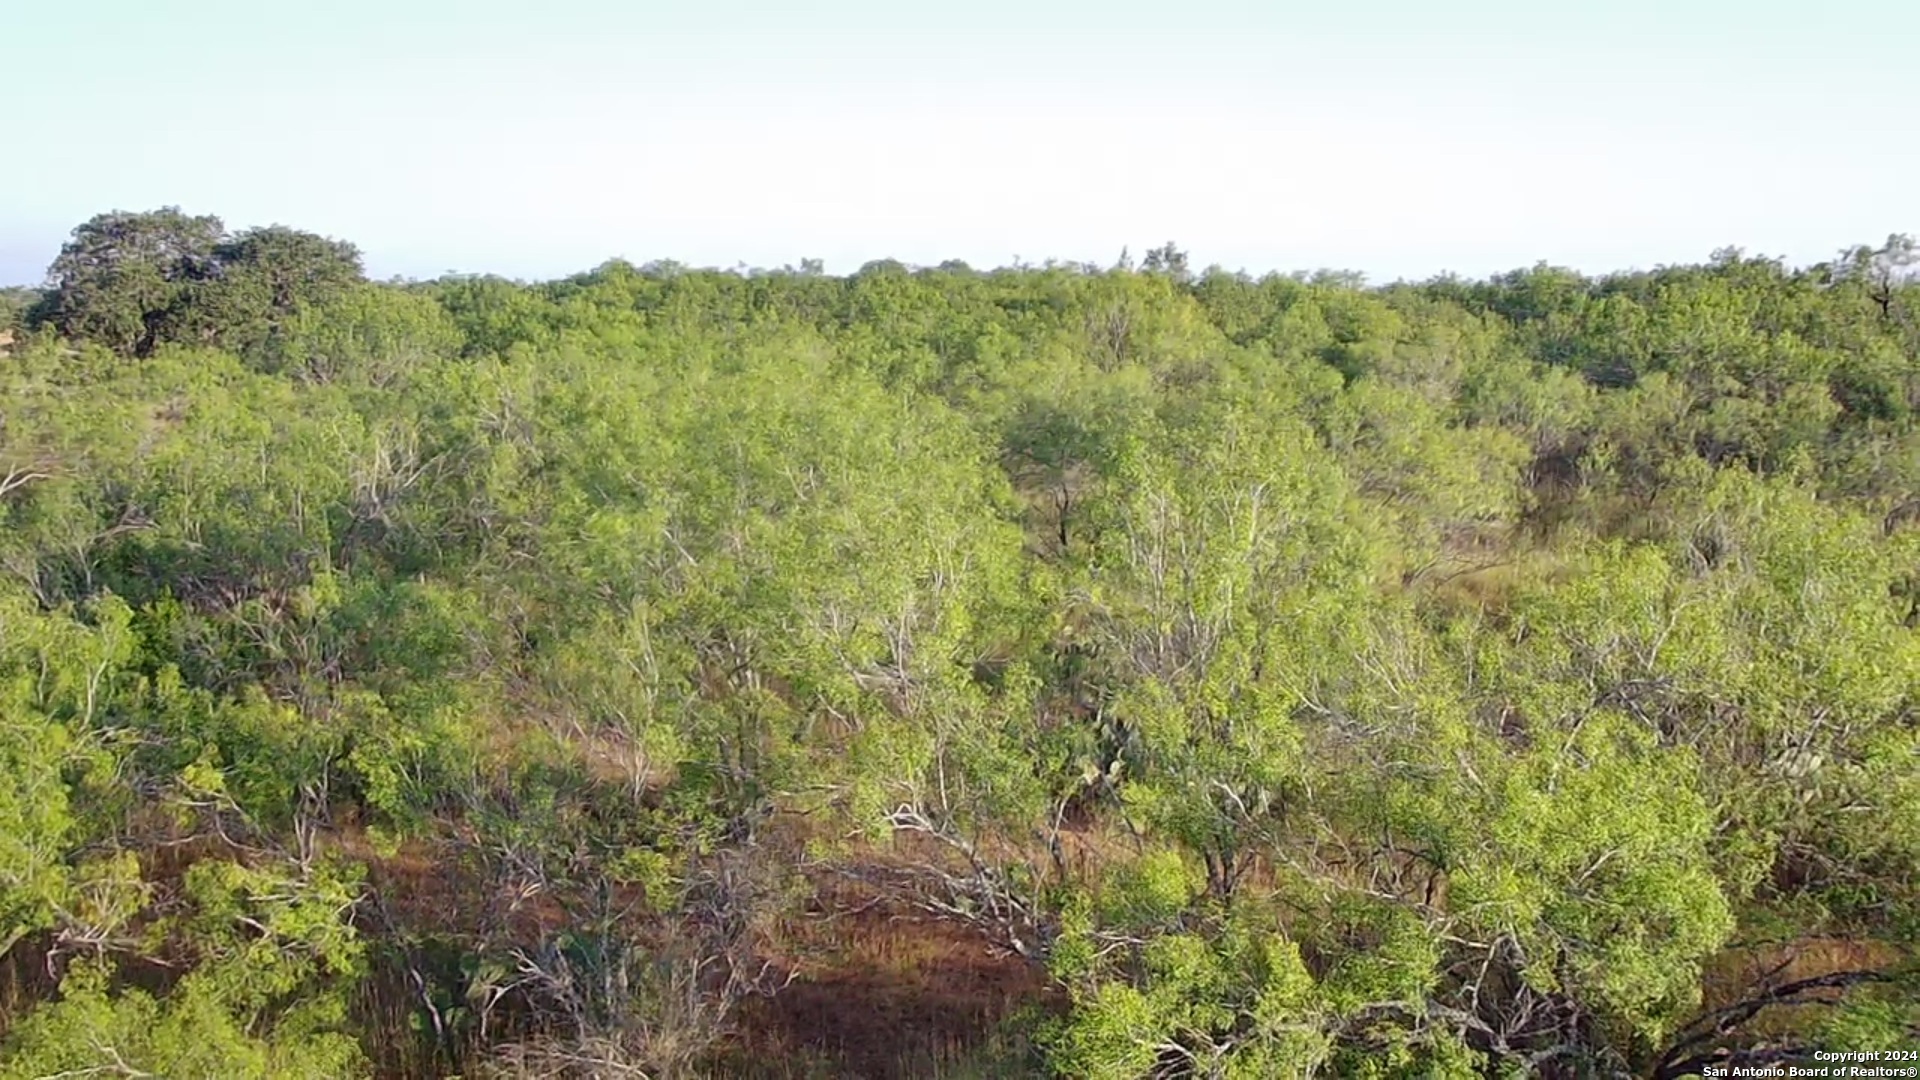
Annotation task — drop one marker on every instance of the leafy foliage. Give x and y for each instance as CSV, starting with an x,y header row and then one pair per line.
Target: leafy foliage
x,y
133,282
1480,678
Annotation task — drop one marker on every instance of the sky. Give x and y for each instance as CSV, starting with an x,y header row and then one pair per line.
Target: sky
x,y
1399,138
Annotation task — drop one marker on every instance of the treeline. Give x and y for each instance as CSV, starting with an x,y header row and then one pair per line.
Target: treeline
x,y
1461,678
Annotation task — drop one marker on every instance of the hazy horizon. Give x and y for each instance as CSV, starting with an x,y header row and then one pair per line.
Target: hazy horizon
x,y
1401,142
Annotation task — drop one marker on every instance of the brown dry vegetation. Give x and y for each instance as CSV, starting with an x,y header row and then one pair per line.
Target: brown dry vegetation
x,y
879,987
883,991
1737,974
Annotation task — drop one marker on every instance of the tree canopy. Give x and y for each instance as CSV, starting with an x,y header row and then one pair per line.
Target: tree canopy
x,y
1055,671
133,282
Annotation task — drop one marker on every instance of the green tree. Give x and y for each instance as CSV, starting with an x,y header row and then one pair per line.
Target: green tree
x,y
260,282
123,276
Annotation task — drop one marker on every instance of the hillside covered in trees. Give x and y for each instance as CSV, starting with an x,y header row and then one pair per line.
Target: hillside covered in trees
x,y
1054,670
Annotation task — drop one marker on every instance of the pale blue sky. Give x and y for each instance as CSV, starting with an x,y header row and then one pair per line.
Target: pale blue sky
x,y
1398,138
